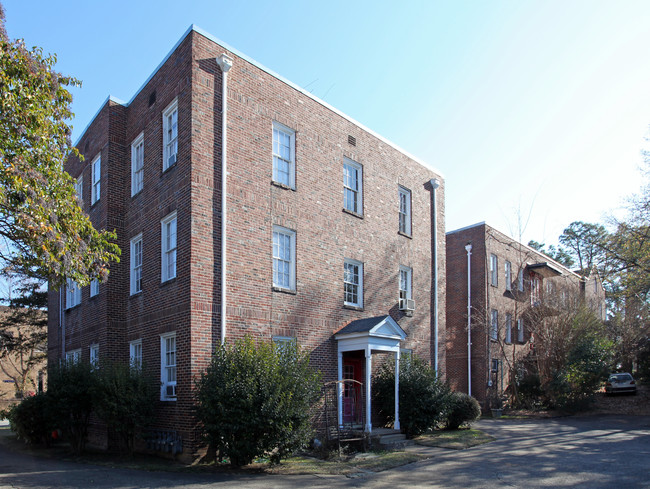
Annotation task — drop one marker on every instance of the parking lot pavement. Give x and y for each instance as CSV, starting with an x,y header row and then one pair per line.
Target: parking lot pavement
x,y
591,452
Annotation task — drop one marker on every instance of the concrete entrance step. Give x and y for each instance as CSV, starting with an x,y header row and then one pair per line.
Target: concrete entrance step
x,y
387,439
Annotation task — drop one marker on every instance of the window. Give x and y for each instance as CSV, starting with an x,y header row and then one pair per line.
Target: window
x,y
283,343
73,357
284,258
508,266
94,288
494,325
168,367
520,330
72,294
137,164
404,211
136,264
508,328
520,280
96,179
79,188
94,355
405,283
494,270
170,135
284,155
353,283
352,186
168,247
535,289
135,354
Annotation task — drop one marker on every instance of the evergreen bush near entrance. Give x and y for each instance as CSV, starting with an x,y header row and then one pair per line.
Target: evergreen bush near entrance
x,y
255,399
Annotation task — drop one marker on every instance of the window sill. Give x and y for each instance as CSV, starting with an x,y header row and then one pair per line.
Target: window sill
x,y
352,307
167,282
409,236
352,213
137,294
73,307
282,185
169,400
137,194
169,168
283,290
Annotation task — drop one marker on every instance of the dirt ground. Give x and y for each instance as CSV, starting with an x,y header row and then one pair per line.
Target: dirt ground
x,y
627,404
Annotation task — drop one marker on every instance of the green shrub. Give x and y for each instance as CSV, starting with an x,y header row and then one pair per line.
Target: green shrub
x,y
463,409
423,399
72,387
255,399
125,401
33,419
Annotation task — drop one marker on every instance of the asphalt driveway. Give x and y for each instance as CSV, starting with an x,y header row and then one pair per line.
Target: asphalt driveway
x,y
589,452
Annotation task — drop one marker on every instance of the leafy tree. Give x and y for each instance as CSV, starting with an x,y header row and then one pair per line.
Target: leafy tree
x,y
33,419
45,231
423,399
583,241
255,399
23,337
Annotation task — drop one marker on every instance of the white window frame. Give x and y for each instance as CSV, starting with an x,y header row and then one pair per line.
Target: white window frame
x,y
494,324
72,294
508,273
520,280
508,327
405,282
280,159
96,179
168,366
352,190
94,287
494,270
168,247
135,354
137,164
79,188
136,264
73,357
404,210
349,283
170,135
93,351
520,330
284,266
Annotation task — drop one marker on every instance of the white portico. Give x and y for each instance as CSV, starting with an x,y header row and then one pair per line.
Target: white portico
x,y
380,334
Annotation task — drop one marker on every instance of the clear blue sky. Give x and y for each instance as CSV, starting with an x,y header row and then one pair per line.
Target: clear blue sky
x,y
526,107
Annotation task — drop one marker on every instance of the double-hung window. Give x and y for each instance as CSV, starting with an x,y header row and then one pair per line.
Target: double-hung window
x,y
353,283
137,164
136,264
168,367
96,179
520,280
520,330
94,355
135,354
494,270
494,325
508,267
170,135
508,328
405,286
284,155
94,287
352,186
79,188
404,211
72,294
73,357
168,247
284,258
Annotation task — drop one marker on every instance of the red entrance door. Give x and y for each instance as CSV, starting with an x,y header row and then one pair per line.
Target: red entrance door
x,y
352,405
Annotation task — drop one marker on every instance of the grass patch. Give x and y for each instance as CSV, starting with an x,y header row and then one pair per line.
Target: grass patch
x,y
454,439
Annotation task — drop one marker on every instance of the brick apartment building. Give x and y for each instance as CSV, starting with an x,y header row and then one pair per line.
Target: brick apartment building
x,y
512,287
327,226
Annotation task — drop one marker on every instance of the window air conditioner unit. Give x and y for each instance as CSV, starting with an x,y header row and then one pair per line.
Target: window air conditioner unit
x,y
407,305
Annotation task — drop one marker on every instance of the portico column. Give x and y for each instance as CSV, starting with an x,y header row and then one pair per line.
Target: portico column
x,y
339,390
368,391
396,423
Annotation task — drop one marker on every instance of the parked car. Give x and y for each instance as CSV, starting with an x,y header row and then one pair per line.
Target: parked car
x,y
620,383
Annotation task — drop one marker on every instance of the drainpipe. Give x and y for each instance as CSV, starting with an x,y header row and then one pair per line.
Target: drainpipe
x,y
468,248
225,63
435,183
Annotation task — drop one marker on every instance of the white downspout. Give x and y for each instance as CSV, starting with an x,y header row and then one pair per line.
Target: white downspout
x,y
225,63
435,183
468,248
